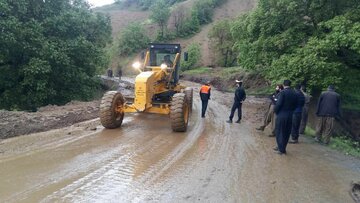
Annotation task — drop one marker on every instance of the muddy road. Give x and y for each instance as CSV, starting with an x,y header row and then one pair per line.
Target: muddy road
x,y
144,161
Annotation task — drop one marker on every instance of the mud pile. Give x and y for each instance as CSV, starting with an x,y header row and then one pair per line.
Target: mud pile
x,y
14,123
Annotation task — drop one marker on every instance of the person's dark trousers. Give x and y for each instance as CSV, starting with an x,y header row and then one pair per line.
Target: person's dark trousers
x,y
296,120
304,119
204,107
283,129
233,109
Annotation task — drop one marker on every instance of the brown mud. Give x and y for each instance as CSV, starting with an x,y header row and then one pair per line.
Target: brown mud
x,y
15,123
144,161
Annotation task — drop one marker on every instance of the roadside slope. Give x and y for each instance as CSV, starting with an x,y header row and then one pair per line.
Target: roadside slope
x,y
229,10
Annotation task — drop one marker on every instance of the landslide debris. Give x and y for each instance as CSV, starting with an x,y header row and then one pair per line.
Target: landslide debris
x,y
14,123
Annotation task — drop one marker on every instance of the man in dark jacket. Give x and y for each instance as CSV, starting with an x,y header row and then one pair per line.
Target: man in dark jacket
x,y
205,91
296,119
327,109
109,73
284,109
240,96
119,73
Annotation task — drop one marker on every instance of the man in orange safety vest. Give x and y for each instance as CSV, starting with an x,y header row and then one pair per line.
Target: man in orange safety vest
x,y
205,96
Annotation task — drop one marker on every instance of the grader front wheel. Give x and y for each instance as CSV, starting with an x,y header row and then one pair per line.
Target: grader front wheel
x,y
111,109
179,112
189,97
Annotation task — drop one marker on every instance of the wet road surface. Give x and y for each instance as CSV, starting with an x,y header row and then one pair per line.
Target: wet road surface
x,y
144,161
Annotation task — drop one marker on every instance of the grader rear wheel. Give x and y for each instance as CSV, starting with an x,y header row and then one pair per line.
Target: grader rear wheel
x,y
111,109
189,97
179,112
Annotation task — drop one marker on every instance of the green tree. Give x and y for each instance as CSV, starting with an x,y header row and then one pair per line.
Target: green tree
x,y
132,39
194,55
222,43
205,10
160,13
301,40
179,17
49,52
144,4
327,58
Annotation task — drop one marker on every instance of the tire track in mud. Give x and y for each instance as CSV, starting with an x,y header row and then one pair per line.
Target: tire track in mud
x,y
117,181
83,163
48,145
201,173
143,161
63,168
124,191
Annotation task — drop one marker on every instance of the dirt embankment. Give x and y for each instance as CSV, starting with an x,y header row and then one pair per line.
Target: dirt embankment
x,y
251,81
46,118
14,123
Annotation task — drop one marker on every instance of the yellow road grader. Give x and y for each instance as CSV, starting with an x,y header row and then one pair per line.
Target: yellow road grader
x,y
157,90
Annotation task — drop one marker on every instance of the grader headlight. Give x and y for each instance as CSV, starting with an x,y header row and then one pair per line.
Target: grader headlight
x,y
137,66
163,66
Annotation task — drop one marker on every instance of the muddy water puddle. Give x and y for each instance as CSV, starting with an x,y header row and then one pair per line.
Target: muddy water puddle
x,y
99,165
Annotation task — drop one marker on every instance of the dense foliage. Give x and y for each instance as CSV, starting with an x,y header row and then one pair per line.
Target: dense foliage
x,y
312,42
160,14
145,4
132,39
194,56
50,52
205,10
185,23
190,22
222,43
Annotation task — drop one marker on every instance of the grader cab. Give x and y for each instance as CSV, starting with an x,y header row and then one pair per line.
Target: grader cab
x,y
157,90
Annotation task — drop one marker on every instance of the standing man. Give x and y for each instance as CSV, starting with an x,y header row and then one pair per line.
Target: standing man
x,y
110,73
240,96
284,109
327,109
119,72
305,111
296,119
270,114
205,96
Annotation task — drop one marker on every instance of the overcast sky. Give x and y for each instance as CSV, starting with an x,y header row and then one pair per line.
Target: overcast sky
x,y
96,3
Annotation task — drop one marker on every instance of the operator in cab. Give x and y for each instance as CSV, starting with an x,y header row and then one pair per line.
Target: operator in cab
x,y
167,61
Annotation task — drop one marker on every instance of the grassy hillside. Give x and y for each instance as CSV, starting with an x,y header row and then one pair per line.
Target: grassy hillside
x,y
121,17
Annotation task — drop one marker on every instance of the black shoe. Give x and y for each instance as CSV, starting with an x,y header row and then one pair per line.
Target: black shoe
x,y
202,116
294,142
271,135
261,128
229,121
280,153
276,149
238,121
